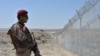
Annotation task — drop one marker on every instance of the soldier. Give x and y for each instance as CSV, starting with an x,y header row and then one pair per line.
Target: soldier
x,y
21,37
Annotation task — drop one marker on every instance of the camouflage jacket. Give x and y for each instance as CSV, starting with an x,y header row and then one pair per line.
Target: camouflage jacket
x,y
19,35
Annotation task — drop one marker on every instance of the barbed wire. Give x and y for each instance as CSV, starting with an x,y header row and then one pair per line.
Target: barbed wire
x,y
88,5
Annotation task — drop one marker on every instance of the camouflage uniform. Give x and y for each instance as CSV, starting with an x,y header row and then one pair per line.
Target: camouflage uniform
x,y
18,31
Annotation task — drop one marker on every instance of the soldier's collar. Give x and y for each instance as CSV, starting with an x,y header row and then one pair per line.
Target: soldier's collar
x,y
21,23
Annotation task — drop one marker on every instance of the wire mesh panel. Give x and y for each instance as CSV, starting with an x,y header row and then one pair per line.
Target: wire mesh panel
x,y
82,34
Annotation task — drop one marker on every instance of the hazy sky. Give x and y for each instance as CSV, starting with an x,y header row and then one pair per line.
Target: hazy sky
x,y
49,14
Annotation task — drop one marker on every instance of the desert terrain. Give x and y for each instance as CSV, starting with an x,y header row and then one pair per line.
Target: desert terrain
x,y
46,40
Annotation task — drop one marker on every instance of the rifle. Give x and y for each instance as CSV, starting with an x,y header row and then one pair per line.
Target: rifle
x,y
31,37
34,48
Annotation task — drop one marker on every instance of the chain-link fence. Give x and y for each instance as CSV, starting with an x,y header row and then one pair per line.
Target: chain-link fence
x,y
82,33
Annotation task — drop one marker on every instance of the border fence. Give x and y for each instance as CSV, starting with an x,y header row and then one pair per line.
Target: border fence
x,y
81,35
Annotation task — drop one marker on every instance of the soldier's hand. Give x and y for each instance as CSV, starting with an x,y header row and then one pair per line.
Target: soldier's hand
x,y
29,46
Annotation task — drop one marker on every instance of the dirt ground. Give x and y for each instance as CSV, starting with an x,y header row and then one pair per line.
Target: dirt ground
x,y
48,48
45,49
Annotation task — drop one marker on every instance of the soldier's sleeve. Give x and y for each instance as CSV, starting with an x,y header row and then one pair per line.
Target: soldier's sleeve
x,y
14,30
12,34
17,32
